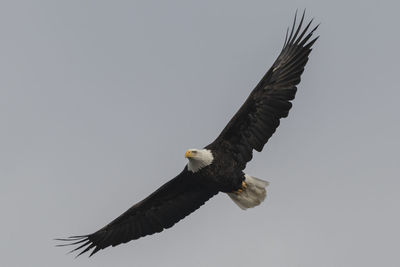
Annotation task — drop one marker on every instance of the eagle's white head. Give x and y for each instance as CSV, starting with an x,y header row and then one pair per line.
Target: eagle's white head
x,y
198,159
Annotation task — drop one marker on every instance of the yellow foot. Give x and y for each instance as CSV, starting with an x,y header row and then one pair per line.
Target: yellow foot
x,y
244,185
240,190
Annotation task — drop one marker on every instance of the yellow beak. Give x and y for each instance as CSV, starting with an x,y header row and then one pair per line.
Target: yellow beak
x,y
188,154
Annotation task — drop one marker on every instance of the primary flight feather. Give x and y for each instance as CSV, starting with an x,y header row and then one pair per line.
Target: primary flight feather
x,y
219,166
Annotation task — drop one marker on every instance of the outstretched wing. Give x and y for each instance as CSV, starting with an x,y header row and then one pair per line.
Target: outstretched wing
x,y
257,119
161,210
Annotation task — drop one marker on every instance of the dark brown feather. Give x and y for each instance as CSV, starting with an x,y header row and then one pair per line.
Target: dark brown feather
x,y
257,119
161,210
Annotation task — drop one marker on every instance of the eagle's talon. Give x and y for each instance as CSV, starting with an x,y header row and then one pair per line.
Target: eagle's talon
x,y
240,190
244,185
237,192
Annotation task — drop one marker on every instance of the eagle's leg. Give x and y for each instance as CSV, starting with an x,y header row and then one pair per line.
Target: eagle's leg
x,y
240,190
251,192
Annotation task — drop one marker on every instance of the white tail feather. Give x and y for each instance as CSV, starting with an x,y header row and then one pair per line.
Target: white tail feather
x,y
253,195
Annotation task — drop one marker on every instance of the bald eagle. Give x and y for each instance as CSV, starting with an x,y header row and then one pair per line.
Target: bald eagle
x,y
219,166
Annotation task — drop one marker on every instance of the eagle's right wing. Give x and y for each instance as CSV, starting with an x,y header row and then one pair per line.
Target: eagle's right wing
x,y
257,119
161,210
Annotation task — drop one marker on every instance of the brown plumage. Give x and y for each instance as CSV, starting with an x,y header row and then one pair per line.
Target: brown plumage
x,y
250,128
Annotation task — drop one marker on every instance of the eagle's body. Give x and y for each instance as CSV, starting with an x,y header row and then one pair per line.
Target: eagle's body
x,y
219,167
223,174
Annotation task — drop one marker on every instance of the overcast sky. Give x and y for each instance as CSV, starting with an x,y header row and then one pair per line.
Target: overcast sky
x,y
100,99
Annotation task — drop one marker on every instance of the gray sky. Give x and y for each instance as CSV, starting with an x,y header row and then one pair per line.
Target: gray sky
x,y
100,99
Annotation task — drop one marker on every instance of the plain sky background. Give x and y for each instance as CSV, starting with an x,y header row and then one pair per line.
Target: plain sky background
x,y
100,99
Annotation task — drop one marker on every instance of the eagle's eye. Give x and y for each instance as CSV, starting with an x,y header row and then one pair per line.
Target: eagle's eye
x,y
194,151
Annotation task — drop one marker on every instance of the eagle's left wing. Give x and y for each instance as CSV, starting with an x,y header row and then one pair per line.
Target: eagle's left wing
x,y
161,210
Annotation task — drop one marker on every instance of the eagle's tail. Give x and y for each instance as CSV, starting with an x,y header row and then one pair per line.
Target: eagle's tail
x,y
252,194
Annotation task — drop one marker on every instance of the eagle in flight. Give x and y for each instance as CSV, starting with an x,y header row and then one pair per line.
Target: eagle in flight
x,y
219,166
